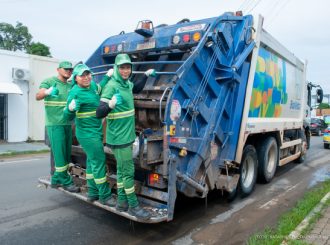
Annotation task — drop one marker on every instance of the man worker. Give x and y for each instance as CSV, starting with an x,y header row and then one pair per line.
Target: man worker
x,y
121,132
54,91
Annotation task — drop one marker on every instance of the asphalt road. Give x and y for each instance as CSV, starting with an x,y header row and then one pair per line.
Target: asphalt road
x,y
31,214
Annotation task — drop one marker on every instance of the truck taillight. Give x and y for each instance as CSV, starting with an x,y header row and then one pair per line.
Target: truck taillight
x,y
113,48
176,39
186,38
106,49
156,180
196,37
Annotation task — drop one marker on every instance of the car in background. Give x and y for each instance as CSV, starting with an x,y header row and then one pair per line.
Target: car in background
x,y
326,138
317,126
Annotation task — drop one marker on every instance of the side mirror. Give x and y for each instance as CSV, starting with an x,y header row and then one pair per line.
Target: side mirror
x,y
319,95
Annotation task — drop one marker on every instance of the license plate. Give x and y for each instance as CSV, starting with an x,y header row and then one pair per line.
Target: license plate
x,y
146,45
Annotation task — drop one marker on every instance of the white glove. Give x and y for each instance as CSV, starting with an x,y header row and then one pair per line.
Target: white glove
x,y
150,73
48,91
110,72
72,105
116,99
113,102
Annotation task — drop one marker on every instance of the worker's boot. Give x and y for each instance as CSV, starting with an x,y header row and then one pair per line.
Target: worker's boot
x,y
139,212
92,198
122,207
72,188
111,201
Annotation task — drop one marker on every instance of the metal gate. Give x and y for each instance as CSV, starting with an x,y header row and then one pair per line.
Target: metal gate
x,y
3,117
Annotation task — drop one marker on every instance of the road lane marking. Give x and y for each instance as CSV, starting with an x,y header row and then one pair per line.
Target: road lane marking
x,y
274,201
19,161
236,207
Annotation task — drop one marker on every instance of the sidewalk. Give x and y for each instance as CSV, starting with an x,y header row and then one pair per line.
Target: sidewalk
x,y
320,230
20,147
320,233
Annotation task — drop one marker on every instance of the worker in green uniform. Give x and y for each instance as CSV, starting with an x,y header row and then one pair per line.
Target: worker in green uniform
x,y
121,132
82,102
54,91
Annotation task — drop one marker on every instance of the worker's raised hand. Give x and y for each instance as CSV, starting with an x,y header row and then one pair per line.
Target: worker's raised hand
x,y
116,99
150,73
52,91
74,105
110,72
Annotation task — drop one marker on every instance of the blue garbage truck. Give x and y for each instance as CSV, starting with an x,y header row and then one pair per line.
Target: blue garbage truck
x,y
228,105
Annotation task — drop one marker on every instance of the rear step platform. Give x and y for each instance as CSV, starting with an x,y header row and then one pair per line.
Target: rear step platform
x,y
157,214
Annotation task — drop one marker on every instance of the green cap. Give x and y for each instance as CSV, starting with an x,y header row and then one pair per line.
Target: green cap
x,y
65,65
80,69
122,59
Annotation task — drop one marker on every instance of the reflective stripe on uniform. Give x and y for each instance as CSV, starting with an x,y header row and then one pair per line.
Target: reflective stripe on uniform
x,y
89,176
55,103
100,180
86,114
61,169
130,190
120,185
118,115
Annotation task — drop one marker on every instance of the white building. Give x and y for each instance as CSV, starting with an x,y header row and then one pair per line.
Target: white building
x,y
21,116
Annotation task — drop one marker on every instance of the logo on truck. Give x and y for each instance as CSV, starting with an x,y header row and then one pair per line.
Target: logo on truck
x,y
269,91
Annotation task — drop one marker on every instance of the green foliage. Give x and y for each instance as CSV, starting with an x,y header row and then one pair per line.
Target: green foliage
x,y
290,220
38,49
323,106
17,37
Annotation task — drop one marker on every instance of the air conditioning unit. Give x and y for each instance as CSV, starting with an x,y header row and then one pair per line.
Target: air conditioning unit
x,y
20,74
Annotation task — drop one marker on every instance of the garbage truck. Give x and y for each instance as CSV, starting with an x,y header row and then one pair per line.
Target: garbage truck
x,y
228,105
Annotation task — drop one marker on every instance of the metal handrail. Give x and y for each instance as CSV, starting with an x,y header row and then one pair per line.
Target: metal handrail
x,y
160,103
144,63
140,72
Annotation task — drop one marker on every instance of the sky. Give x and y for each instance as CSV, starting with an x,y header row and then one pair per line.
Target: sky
x,y
73,29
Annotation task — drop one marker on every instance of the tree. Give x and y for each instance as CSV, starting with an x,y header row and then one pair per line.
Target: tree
x,y
14,38
18,38
38,49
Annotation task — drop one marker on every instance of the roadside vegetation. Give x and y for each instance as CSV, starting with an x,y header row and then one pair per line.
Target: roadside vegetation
x,y
14,153
290,220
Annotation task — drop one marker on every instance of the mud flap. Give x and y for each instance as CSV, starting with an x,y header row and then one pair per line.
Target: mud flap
x,y
171,189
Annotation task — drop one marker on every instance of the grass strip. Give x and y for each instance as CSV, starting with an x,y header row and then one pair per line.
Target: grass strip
x,y
14,153
290,220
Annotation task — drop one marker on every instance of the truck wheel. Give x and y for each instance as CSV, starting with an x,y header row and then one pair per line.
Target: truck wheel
x,y
248,170
267,159
303,149
326,146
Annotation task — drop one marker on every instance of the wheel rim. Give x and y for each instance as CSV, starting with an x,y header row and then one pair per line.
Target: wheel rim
x,y
248,171
271,159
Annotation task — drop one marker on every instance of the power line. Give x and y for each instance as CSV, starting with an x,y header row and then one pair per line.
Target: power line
x,y
256,4
278,11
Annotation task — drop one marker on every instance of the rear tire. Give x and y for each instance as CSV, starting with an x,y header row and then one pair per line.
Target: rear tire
x,y
268,156
326,146
303,149
248,170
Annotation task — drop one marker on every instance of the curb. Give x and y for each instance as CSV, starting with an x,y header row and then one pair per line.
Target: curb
x,y
294,235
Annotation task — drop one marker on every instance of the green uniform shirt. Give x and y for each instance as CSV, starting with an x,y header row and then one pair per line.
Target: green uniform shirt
x,y
54,105
121,120
87,125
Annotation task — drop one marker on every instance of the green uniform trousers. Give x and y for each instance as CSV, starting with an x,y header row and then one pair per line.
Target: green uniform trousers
x,y
60,138
125,175
97,184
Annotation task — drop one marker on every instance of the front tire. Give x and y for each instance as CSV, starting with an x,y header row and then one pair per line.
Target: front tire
x,y
268,156
248,170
